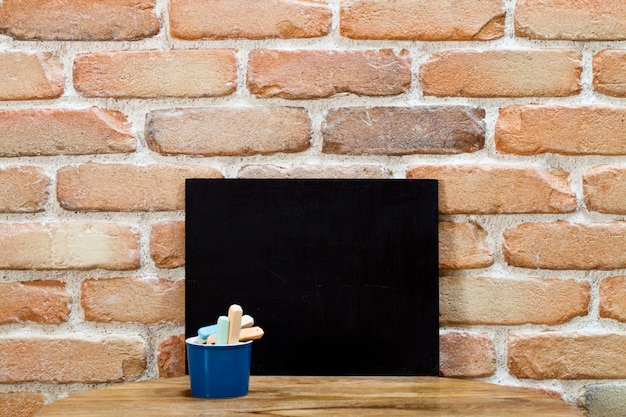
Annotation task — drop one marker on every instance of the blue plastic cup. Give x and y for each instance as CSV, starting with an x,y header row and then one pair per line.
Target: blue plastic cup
x,y
218,371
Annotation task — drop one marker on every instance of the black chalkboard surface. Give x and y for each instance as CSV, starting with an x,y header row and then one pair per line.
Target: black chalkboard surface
x,y
341,274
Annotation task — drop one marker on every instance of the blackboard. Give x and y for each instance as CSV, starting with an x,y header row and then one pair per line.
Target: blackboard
x,y
341,274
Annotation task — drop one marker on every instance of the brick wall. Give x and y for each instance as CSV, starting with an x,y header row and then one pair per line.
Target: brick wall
x,y
517,107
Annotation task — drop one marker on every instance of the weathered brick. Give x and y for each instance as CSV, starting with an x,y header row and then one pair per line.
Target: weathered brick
x,y
78,20
604,187
226,131
33,132
502,73
579,20
20,403
307,74
154,74
422,20
613,298
23,189
125,187
314,171
603,400
609,72
140,300
567,355
463,245
465,354
34,301
74,359
260,19
167,244
171,357
26,76
565,245
404,130
565,130
68,245
499,188
508,301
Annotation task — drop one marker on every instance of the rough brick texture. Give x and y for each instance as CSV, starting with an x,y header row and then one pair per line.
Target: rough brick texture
x,y
463,245
609,72
465,354
226,131
613,298
422,20
565,130
83,20
306,74
499,189
567,355
313,171
260,19
64,360
35,132
565,245
171,357
167,244
404,130
141,300
604,187
579,20
125,187
603,400
30,76
502,73
508,301
34,301
20,403
23,189
146,74
68,245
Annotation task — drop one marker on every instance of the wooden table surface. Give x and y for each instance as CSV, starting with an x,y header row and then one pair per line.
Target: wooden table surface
x,y
315,396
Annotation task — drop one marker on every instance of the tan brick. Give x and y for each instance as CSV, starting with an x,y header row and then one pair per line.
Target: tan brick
x,y
565,245
167,244
314,171
502,73
499,189
25,76
154,74
613,298
306,74
404,130
609,72
74,359
579,20
78,20
171,357
463,245
33,132
20,403
422,20
68,245
567,355
604,187
125,187
140,300
565,130
34,301
260,19
23,189
508,301
465,354
226,131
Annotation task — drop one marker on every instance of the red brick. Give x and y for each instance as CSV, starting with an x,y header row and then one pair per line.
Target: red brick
x,y
463,246
613,298
171,357
34,132
226,131
578,20
604,187
465,354
30,76
314,171
404,130
20,403
155,74
34,301
78,20
609,72
167,244
23,189
565,130
422,20
260,19
307,74
502,73
499,189
125,187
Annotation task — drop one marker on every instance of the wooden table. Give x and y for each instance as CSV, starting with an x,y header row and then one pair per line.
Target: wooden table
x,y
315,396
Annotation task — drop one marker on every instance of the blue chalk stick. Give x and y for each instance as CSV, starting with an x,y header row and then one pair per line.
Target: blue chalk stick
x,y
206,331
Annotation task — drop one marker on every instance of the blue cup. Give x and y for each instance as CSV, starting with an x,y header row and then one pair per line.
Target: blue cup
x,y
218,371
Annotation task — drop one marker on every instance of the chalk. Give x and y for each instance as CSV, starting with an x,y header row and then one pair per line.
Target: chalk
x,y
246,321
249,333
205,332
234,317
221,335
